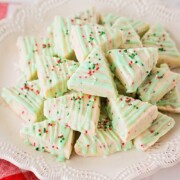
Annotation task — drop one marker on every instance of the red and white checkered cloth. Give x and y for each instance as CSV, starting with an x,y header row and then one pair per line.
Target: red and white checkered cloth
x,y
8,171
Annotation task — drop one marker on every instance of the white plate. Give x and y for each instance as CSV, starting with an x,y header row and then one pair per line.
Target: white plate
x,y
127,165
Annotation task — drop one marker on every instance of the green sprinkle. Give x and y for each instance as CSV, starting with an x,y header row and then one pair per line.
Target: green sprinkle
x,y
37,149
102,32
161,49
93,66
156,133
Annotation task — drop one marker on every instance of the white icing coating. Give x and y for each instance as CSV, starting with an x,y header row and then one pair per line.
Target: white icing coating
x,y
158,128
130,117
130,38
50,136
25,100
158,83
131,66
28,48
105,142
77,110
85,38
108,19
140,27
168,53
61,29
94,76
53,74
170,102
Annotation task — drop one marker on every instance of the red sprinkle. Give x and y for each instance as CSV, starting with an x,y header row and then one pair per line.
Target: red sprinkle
x,y
37,92
44,45
151,131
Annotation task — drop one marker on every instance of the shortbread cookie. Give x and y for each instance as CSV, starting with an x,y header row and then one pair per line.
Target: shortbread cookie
x,y
122,90
85,38
130,38
158,83
88,16
159,128
131,66
105,142
25,100
94,76
50,136
140,27
77,110
61,35
170,102
168,53
53,74
108,19
28,48
130,117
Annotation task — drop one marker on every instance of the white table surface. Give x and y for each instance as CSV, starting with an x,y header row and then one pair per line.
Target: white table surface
x,y
172,173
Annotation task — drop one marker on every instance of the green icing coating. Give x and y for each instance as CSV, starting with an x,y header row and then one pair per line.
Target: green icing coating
x,y
50,136
77,110
159,127
158,83
131,66
53,74
28,48
93,75
26,100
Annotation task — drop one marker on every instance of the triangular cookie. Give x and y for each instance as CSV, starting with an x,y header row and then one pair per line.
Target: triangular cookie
x,y
77,110
105,142
25,100
85,38
130,38
50,136
170,102
108,19
168,53
94,76
130,117
88,16
131,66
158,83
159,128
28,48
140,27
53,74
61,29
